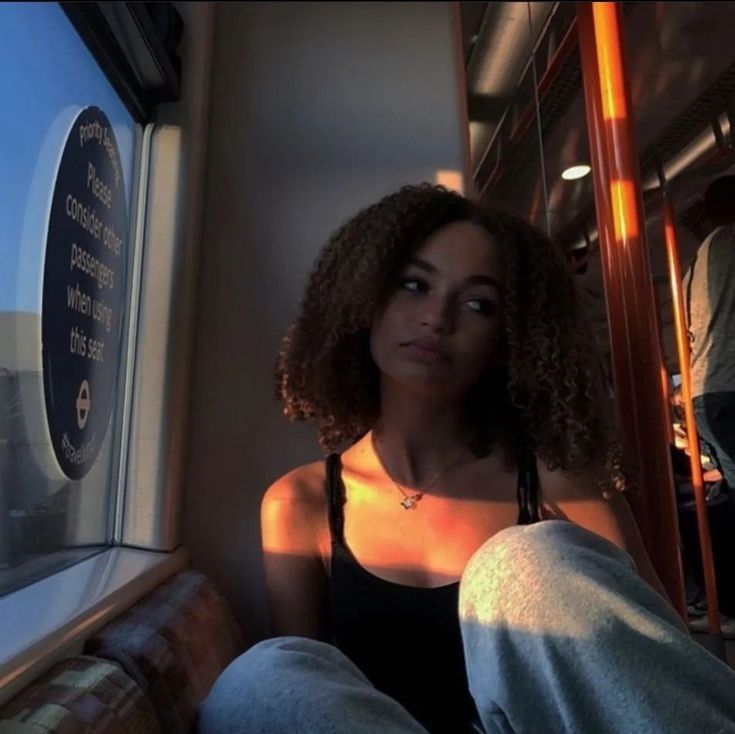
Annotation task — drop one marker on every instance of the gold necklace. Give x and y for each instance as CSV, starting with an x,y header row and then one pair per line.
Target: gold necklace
x,y
410,501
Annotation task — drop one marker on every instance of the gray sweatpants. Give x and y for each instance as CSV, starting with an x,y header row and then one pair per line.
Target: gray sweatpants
x,y
560,635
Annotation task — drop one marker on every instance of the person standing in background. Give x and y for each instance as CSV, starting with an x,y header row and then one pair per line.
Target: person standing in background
x,y
710,297
709,289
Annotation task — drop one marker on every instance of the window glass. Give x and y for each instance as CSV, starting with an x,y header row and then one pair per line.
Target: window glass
x,y
68,148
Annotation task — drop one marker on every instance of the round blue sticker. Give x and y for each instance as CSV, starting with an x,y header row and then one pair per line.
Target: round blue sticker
x,y
83,292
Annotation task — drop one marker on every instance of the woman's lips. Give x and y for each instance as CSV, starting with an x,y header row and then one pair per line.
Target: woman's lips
x,y
426,351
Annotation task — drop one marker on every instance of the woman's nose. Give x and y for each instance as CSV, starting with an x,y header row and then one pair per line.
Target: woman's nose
x,y
436,315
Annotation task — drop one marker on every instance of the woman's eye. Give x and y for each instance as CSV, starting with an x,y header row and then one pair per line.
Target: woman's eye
x,y
481,305
414,285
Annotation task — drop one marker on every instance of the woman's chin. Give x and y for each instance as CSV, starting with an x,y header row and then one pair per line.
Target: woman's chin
x,y
427,383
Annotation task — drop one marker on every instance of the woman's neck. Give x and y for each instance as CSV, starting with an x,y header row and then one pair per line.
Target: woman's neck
x,y
418,438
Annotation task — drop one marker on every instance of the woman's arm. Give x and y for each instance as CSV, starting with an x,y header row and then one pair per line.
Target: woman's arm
x,y
579,499
292,517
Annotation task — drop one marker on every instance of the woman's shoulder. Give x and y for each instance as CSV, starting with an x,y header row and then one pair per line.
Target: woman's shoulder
x,y
303,485
579,486
293,511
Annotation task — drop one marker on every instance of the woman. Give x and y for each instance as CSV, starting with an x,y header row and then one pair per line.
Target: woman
x,y
442,348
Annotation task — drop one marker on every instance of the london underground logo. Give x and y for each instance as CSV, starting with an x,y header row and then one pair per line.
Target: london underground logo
x,y
83,404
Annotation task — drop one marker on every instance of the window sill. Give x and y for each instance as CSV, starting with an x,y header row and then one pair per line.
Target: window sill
x,y
50,619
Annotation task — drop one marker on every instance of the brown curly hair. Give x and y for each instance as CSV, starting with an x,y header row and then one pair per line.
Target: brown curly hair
x,y
549,394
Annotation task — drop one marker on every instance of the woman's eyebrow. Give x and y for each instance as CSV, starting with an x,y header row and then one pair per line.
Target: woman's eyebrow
x,y
417,262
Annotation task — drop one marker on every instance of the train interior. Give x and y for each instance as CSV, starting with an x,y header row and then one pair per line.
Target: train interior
x,y
526,133
201,153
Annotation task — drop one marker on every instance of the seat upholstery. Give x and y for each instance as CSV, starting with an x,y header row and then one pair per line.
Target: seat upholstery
x,y
173,644
80,695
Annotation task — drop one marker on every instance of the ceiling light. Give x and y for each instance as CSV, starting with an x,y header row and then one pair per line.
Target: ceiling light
x,y
574,172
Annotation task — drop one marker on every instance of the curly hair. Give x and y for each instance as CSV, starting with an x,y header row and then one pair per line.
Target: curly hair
x,y
549,394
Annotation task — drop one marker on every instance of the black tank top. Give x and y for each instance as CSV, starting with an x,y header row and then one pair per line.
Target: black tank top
x,y
407,639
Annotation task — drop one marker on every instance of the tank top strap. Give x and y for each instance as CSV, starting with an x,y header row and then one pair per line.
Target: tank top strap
x,y
528,487
335,497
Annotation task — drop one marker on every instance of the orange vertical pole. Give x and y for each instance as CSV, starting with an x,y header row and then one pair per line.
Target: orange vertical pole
x,y
682,346
665,380
628,286
610,268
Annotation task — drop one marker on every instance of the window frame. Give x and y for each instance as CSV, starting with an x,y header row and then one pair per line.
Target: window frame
x,y
142,73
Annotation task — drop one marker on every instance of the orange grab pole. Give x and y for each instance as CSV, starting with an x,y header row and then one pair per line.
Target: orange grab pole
x,y
665,385
629,294
682,345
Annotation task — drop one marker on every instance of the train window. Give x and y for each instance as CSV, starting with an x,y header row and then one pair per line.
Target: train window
x,y
69,148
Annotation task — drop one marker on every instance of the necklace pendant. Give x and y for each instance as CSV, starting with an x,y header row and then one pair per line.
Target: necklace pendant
x,y
409,503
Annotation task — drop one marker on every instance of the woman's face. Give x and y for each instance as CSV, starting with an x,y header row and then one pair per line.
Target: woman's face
x,y
442,326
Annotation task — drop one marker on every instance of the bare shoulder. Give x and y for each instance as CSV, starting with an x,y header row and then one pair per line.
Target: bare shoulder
x,y
578,496
293,510
559,485
303,486
581,498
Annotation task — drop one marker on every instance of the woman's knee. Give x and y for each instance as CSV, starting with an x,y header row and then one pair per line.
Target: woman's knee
x,y
250,683
279,657
540,545
532,561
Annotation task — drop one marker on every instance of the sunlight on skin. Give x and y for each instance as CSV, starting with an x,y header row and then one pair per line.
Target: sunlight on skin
x,y
448,526
440,525
283,525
